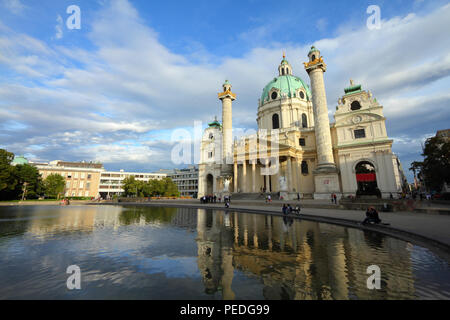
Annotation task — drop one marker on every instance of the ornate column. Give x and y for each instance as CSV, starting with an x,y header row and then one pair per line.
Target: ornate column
x,y
326,178
289,174
244,176
235,171
254,176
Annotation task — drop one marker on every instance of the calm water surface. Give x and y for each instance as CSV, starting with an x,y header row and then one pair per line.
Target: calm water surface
x,y
168,253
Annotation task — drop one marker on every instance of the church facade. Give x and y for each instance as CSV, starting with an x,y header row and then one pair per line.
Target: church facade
x,y
296,152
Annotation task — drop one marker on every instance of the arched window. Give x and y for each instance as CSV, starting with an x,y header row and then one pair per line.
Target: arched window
x,y
282,71
355,105
313,57
304,167
274,95
304,121
275,121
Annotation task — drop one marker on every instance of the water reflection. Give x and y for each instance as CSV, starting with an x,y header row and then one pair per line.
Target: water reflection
x,y
169,253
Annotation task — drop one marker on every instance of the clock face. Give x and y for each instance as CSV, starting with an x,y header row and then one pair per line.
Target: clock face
x,y
357,119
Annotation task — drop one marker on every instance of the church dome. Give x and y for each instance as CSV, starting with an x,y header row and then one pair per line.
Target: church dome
x,y
286,84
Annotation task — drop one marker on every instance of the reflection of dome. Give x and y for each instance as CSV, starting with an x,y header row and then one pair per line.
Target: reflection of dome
x,y
287,84
20,160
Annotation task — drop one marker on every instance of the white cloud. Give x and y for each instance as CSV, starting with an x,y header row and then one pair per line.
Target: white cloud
x,y
59,27
15,6
131,84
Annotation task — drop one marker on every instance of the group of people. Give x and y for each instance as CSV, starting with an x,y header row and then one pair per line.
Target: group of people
x,y
209,199
334,198
65,202
287,209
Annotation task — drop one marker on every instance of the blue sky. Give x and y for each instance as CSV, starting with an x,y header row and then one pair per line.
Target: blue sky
x,y
115,90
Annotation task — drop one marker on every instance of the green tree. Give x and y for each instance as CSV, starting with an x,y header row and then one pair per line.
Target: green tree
x,y
435,168
169,188
131,186
54,185
29,181
8,182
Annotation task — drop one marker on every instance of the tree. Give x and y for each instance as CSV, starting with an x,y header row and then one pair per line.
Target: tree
x,y
435,169
130,186
54,185
8,182
170,189
29,181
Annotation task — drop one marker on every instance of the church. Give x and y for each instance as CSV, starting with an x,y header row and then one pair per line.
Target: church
x,y
296,152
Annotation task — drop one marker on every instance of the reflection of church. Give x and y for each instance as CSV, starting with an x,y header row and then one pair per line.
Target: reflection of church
x,y
292,261
296,150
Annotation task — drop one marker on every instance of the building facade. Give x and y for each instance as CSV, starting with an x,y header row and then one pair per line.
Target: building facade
x,y
186,180
111,182
296,151
82,178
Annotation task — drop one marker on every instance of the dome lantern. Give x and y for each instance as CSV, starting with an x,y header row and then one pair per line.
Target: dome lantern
x,y
284,69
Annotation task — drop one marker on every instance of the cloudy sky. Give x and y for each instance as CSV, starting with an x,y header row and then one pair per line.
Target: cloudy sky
x,y
114,90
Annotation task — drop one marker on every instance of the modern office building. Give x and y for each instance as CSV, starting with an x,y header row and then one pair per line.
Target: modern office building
x,y
185,179
111,181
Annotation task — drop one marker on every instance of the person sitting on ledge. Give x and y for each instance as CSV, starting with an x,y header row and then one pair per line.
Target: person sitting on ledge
x,y
296,210
371,216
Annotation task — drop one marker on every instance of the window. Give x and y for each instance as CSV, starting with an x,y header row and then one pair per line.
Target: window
x,y
302,95
88,186
274,95
210,154
82,175
355,105
69,175
313,57
89,176
304,121
304,167
81,184
360,133
86,194
282,71
68,185
275,121
76,175
302,142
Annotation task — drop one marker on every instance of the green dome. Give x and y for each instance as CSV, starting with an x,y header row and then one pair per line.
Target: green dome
x,y
21,160
286,84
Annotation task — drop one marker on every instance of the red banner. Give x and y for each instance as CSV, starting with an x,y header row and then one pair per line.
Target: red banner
x,y
366,177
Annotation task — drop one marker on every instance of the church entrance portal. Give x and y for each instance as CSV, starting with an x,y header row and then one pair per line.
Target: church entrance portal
x,y
209,184
366,179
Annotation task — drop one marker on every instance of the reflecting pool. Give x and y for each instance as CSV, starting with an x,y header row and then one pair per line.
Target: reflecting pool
x,y
172,253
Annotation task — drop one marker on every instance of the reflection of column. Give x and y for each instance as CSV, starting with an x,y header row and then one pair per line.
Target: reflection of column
x,y
236,229
338,276
244,176
289,173
245,231
201,223
235,177
255,232
254,176
269,228
227,278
